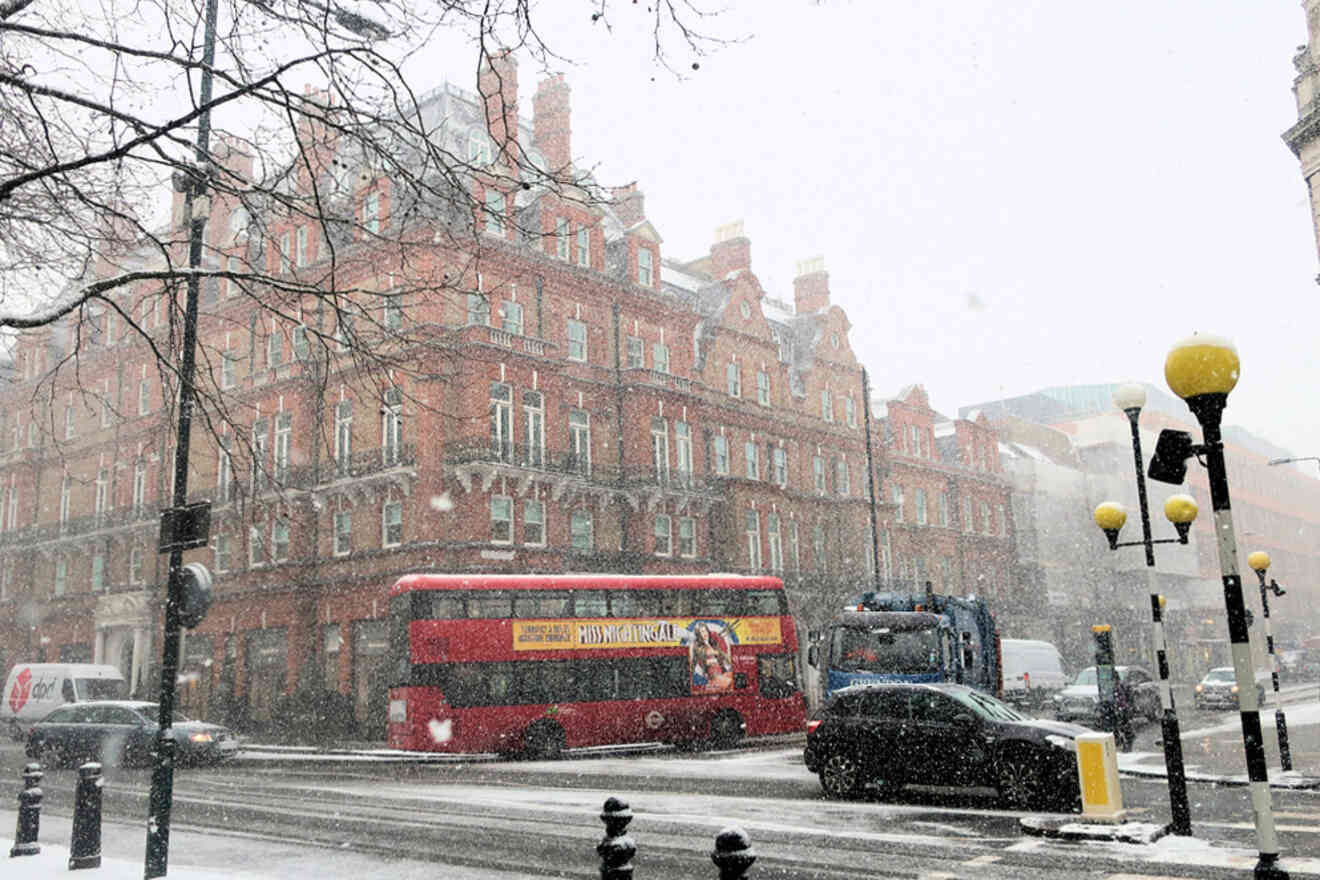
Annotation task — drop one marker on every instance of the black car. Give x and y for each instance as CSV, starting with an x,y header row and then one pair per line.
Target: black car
x,y
889,735
122,733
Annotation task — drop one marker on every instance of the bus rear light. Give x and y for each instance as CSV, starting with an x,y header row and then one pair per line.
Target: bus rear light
x,y
812,725
398,711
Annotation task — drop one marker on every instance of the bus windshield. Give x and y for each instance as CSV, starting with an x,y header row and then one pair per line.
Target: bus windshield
x,y
883,650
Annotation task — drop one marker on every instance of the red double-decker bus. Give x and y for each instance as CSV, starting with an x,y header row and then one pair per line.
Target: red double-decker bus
x,y
532,664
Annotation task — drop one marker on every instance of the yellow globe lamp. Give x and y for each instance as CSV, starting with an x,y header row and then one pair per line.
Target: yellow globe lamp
x,y
1110,517
1202,364
1259,561
1181,510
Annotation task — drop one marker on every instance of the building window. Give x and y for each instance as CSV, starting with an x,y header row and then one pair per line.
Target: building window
x,y
561,238
968,526
687,536
793,544
920,499
826,405
660,357
580,531
283,432
393,315
850,412
371,213
501,420
776,546
228,364
660,449
224,469
683,450
1003,522
139,486
223,557
107,409
478,309
584,247
144,397
579,439
734,379
343,331
98,572
68,421
66,492
285,253
513,318
818,546
763,387
61,575
663,535
479,148
818,473
645,272
842,477
391,427
495,208
986,524
279,539
275,348
102,490
391,524
534,427
752,457
753,526
721,455
534,522
944,509
300,256
636,353
896,496
501,519
577,340
11,514
343,435
135,565
779,463
302,348
256,547
343,532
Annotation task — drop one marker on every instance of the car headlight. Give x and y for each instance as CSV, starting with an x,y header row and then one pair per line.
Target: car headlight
x,y
200,737
1199,688
1234,689
1058,698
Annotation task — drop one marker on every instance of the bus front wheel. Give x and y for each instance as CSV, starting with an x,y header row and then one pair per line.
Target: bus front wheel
x,y
726,729
544,740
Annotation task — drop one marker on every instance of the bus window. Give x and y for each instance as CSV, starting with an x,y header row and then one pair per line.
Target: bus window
x,y
776,674
722,603
676,603
444,606
541,604
593,680
489,605
591,603
764,603
634,603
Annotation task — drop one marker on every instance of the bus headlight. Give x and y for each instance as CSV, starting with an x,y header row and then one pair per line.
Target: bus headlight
x,y
398,711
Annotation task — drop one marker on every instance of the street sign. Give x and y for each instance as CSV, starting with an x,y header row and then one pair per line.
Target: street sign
x,y
183,528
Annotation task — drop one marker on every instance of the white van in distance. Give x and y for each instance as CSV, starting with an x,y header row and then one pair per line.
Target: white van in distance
x,y
1033,671
33,690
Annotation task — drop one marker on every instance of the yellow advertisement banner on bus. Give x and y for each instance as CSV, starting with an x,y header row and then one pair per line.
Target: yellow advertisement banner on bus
x,y
671,632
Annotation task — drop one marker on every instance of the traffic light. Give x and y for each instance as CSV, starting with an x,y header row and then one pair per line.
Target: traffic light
x,y
1169,464
194,594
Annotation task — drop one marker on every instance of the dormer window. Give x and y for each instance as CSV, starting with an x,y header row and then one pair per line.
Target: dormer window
x,y
584,247
561,239
495,213
645,269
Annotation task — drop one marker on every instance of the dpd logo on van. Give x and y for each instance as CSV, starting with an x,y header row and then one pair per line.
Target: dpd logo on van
x,y
18,697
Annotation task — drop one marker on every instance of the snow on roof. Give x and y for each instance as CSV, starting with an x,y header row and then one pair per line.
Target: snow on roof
x,y
1019,450
671,274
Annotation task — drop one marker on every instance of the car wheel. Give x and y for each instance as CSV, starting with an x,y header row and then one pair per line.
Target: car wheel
x,y
544,741
1020,782
727,729
841,775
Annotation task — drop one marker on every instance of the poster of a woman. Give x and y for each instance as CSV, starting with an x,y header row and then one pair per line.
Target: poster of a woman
x,y
710,657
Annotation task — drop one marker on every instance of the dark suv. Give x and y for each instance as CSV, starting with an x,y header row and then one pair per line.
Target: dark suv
x,y
887,735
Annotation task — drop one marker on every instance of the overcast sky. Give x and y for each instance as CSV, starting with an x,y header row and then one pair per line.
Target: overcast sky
x,y
1008,195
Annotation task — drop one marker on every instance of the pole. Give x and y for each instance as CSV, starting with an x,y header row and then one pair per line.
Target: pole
x,y
1280,723
162,774
870,480
1170,732
1209,409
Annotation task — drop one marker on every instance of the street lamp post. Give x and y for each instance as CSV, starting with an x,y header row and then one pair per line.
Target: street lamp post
x,y
1260,563
1180,510
1202,370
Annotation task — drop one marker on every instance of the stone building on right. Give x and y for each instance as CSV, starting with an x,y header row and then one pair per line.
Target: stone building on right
x,y
1303,138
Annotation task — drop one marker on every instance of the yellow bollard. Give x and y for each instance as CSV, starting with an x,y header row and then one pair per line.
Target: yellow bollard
x,y
1097,772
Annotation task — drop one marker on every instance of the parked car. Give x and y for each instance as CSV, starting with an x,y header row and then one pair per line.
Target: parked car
x,y
890,734
1219,690
123,733
1080,701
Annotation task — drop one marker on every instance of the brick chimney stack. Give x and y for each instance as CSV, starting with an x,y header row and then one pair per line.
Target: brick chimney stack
x,y
498,88
551,117
629,204
731,251
811,287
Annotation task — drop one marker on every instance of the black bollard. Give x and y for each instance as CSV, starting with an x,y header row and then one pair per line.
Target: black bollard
x,y
733,853
85,848
617,849
29,814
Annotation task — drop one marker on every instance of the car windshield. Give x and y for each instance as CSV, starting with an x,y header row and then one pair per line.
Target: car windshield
x,y
1086,676
988,707
1219,675
883,650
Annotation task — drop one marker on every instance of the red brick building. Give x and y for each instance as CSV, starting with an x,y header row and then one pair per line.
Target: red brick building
x,y
572,400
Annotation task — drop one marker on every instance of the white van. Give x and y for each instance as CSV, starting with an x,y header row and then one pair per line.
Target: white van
x,y
1033,671
33,690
